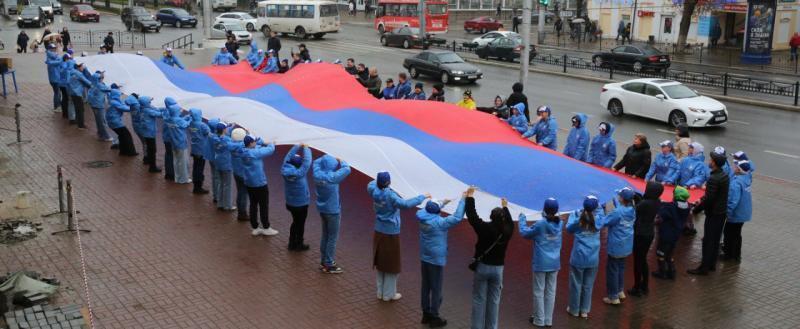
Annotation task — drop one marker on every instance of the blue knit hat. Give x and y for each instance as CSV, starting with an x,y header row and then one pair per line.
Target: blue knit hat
x,y
590,203
296,160
550,206
433,207
221,127
384,179
247,139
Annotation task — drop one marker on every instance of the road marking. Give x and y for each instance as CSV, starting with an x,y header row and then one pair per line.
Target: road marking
x,y
671,132
783,154
739,122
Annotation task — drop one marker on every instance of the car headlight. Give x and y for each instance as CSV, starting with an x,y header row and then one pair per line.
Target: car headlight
x,y
458,72
697,110
19,18
36,18
478,71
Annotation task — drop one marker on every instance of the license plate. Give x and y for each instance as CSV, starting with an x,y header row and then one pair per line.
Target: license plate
x,y
663,60
439,25
473,77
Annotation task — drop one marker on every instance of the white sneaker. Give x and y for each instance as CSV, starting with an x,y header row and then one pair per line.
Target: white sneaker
x,y
610,301
621,295
269,231
256,232
397,296
585,315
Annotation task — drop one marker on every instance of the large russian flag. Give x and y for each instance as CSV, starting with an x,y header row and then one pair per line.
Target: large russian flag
x,y
427,146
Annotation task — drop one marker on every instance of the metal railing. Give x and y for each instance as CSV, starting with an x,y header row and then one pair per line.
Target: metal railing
x,y
184,42
94,39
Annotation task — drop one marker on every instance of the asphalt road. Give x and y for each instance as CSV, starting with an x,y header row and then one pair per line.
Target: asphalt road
x,y
767,135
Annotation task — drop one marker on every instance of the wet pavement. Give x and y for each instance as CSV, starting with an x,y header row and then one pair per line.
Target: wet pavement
x,y
161,257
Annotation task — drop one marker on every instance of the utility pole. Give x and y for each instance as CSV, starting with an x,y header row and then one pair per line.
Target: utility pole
x,y
633,20
422,22
526,41
540,27
206,20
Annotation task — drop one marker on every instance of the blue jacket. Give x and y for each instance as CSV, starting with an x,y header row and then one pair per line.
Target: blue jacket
x,y
519,122
222,153
603,151
148,114
136,114
433,234
97,94
208,153
389,92
387,205
295,181
586,246
172,61
403,89
115,110
53,62
620,230
198,131
726,168
176,126
673,218
272,65
546,238
740,203
64,71
237,151
421,96
255,60
545,132
78,83
326,180
693,171
252,159
223,59
664,168
168,102
578,140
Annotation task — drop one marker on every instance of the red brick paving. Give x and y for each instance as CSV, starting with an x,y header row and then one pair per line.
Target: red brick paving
x,y
160,257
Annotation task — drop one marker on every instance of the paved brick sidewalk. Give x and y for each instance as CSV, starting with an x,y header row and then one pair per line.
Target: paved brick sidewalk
x,y
160,257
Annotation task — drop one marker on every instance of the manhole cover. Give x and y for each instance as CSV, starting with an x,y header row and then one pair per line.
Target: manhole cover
x,y
99,164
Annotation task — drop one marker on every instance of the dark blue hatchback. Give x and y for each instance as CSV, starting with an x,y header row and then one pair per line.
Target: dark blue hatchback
x,y
176,17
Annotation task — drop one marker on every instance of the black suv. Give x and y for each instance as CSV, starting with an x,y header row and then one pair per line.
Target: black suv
x,y
32,16
138,18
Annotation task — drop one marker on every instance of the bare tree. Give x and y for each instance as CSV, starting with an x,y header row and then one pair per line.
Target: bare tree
x,y
686,20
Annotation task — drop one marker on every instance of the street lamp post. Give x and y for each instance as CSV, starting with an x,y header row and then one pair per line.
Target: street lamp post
x,y
422,22
526,40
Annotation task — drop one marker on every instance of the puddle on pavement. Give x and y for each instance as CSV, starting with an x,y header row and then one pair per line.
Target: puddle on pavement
x,y
17,230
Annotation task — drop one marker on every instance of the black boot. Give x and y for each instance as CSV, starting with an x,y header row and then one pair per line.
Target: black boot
x,y
671,270
437,322
662,270
426,318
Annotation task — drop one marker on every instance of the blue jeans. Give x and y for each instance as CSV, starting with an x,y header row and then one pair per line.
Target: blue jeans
x,y
581,281
56,95
225,195
330,233
387,285
180,158
431,288
70,110
544,297
487,284
615,273
793,56
100,123
241,196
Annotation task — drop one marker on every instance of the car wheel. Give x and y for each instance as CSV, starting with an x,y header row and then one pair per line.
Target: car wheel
x,y
510,58
615,107
406,44
483,30
482,56
265,30
300,32
250,27
445,78
413,71
384,42
676,118
178,24
598,61
637,66
381,29
158,29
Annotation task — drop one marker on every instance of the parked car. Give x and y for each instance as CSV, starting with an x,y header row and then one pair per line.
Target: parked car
x,y
57,9
446,65
46,6
220,31
127,14
83,13
549,17
635,57
491,36
141,21
249,22
482,24
403,37
176,17
504,49
32,16
663,100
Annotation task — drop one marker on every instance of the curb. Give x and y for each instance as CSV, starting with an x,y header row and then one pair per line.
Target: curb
x,y
733,99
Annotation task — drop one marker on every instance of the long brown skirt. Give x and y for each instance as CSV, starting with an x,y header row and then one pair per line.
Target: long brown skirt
x,y
386,252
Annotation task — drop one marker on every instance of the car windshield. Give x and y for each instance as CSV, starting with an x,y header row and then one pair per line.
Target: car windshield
x,y
649,50
234,27
449,58
679,92
144,17
139,11
30,11
437,9
83,7
40,2
180,12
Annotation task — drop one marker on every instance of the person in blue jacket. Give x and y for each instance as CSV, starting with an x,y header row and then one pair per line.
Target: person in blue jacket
x,y
78,84
252,53
620,243
726,168
255,59
208,155
546,236
403,86
169,166
328,173
390,90
740,210
148,115
221,143
53,62
256,180
67,65
114,113
223,57
585,256
136,120
603,150
670,220
242,197
177,124
170,59
386,240
295,171
418,93
198,134
545,129
433,229
693,171
665,167
578,139
272,63
517,120
97,101
741,156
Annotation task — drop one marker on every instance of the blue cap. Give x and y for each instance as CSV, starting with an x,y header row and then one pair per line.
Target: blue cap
x,y
550,206
590,203
384,179
296,160
740,155
114,86
433,207
221,126
543,108
626,193
744,165
69,51
247,139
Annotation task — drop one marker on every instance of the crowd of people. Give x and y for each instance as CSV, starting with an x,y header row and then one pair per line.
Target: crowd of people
x,y
235,156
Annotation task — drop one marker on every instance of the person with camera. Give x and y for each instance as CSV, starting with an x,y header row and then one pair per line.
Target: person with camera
x,y
488,261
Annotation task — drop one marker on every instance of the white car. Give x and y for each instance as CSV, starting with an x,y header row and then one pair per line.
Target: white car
x,y
220,31
491,36
249,22
664,100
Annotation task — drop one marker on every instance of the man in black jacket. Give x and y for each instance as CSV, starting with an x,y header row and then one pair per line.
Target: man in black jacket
x,y
643,234
518,97
637,158
108,42
274,44
715,205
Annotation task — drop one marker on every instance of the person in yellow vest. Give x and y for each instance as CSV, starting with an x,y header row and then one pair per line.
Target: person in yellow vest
x,y
467,102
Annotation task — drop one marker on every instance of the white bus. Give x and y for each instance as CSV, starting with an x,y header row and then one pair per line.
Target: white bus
x,y
303,18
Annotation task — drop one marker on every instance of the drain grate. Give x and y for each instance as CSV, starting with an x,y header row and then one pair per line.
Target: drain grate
x,y
99,164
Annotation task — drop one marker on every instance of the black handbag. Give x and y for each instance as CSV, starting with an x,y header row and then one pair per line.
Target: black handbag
x,y
474,263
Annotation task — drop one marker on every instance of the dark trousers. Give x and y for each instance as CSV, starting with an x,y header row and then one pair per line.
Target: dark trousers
x,y
169,167
431,288
110,48
198,166
259,202
64,102
298,228
241,196
641,272
56,95
77,101
666,265
733,240
126,146
150,152
711,235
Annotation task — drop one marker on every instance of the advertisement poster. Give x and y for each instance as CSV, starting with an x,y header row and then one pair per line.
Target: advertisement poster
x,y
759,27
